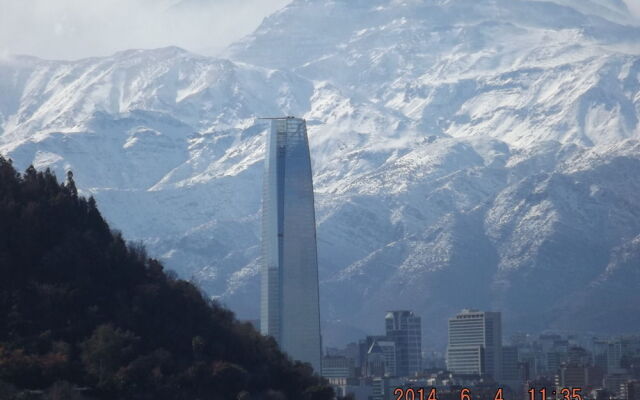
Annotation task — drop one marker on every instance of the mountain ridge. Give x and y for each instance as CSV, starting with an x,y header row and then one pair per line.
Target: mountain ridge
x,y
453,152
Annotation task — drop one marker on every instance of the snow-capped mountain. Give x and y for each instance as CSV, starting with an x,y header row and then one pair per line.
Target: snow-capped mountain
x,y
466,153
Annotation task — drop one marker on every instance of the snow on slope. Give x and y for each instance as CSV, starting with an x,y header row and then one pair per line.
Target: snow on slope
x,y
465,153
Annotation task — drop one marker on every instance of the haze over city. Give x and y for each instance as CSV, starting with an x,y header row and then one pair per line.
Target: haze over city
x,y
444,194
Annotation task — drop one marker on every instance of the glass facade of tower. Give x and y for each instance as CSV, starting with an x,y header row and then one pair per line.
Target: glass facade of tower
x,y
290,310
405,329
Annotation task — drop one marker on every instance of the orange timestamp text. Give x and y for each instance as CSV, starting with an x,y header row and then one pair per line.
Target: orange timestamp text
x,y
561,394
465,394
432,394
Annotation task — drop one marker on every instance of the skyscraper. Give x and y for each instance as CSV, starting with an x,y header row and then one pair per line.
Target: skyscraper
x,y
475,343
404,328
290,310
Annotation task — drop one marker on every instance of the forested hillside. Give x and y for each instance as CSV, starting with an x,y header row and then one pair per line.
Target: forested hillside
x,y
83,314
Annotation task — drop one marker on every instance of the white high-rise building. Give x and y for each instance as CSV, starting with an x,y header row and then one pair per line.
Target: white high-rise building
x,y
475,343
290,310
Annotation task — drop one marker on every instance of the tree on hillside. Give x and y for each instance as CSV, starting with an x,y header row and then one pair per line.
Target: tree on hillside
x,y
83,312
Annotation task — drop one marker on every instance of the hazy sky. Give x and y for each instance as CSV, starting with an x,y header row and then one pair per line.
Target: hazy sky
x,y
634,5
70,29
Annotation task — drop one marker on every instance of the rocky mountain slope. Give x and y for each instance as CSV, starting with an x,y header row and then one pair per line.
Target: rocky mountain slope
x,y
466,153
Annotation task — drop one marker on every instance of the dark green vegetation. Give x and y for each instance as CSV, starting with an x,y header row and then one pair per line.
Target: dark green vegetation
x,y
84,315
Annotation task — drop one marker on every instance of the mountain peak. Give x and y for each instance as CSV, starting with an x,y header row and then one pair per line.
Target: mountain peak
x,y
160,52
602,21
454,143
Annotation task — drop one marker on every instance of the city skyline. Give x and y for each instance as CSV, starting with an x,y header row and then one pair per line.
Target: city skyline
x,y
479,364
446,197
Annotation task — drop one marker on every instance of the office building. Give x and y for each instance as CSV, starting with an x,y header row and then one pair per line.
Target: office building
x,y
572,375
475,343
405,329
290,310
512,375
337,367
630,390
381,358
363,351
620,348
615,383
384,388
